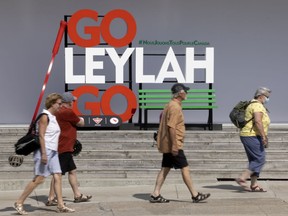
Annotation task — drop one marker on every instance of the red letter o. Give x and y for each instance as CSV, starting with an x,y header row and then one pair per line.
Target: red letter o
x,y
131,28
127,93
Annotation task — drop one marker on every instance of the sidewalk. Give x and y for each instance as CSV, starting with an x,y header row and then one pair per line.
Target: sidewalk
x,y
227,198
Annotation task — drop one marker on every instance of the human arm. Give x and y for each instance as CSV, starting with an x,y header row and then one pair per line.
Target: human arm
x,y
43,123
81,122
172,137
259,125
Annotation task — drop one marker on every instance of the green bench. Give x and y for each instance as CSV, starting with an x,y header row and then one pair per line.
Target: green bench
x,y
156,99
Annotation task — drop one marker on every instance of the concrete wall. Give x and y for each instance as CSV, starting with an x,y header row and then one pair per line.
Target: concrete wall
x,y
249,37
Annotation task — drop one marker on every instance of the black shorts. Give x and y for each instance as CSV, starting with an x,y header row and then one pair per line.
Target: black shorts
x,y
177,162
66,162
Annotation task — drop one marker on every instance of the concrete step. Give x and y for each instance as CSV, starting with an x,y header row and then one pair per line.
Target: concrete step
x,y
199,154
127,157
143,144
92,164
208,136
111,178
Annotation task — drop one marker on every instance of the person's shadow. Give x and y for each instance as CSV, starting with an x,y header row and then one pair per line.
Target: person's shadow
x,y
31,208
28,208
142,196
230,187
146,197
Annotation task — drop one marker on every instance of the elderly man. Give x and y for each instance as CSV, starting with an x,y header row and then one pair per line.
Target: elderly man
x,y
170,142
68,122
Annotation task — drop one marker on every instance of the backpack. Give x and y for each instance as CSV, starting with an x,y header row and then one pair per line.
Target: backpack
x,y
237,115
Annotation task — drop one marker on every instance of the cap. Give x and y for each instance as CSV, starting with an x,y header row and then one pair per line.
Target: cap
x,y
67,97
178,87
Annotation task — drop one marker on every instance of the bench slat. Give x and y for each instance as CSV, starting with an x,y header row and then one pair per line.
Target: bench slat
x,y
169,96
183,107
167,101
169,91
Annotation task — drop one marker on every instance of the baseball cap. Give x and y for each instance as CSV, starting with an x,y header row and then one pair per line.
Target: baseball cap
x,y
67,97
178,87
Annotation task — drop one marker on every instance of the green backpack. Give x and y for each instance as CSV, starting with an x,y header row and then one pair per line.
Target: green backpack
x,y
237,115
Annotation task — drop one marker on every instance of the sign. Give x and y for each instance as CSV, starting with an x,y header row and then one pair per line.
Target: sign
x,y
101,121
170,67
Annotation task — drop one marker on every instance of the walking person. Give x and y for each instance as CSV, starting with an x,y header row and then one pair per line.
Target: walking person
x,y
68,122
46,161
170,141
254,139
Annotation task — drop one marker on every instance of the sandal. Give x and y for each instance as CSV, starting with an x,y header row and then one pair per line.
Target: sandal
x,y
19,208
52,202
65,209
257,188
82,198
200,197
242,183
158,199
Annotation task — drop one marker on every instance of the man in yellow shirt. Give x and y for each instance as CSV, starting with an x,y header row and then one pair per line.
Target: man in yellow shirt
x,y
170,142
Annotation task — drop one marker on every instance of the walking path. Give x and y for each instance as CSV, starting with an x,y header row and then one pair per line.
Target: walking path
x,y
227,198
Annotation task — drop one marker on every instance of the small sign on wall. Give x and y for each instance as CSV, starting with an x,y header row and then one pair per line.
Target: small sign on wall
x,y
101,121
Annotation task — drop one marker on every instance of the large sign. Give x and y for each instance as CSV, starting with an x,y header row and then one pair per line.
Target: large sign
x,y
170,67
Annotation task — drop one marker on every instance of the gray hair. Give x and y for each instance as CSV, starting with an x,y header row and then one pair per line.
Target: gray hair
x,y
261,91
175,95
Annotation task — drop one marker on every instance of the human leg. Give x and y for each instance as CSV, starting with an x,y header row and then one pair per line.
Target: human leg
x,y
196,196
188,181
156,196
58,191
255,187
241,180
72,177
160,180
27,191
52,201
78,197
256,157
68,166
55,169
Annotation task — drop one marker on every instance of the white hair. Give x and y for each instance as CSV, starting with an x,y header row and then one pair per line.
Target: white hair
x,y
175,95
261,91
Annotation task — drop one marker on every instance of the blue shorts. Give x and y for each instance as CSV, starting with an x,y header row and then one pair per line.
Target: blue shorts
x,y
52,166
178,162
255,152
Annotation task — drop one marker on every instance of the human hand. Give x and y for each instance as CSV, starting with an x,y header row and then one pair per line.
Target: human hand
x,y
265,141
175,151
44,158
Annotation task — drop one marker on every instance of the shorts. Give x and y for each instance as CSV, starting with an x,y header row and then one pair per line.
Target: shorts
x,y
66,162
255,152
176,162
52,166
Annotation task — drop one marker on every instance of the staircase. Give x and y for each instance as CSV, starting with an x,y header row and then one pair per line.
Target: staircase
x,y
128,157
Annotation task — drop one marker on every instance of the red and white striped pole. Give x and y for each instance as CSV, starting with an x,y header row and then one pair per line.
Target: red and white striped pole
x,y
55,50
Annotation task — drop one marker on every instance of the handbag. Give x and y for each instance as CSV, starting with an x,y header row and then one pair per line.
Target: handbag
x,y
30,142
77,148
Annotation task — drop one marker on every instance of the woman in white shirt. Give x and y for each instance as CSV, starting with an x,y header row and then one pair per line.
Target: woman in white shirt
x,y
46,161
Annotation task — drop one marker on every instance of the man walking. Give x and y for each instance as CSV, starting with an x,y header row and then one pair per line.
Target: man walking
x,y
68,122
170,142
